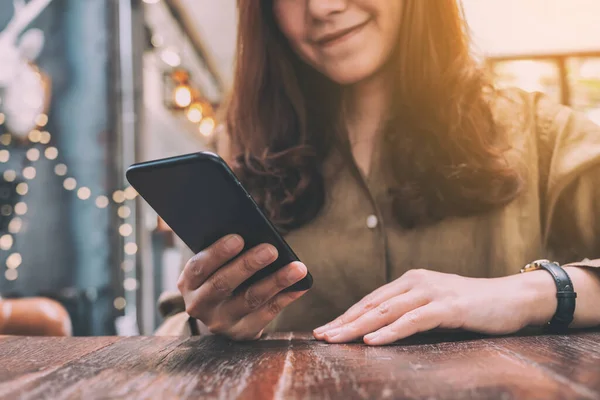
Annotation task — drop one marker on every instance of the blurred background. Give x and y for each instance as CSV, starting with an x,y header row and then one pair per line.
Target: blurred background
x,y
89,87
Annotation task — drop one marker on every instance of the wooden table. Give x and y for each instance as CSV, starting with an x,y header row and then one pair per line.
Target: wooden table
x,y
288,366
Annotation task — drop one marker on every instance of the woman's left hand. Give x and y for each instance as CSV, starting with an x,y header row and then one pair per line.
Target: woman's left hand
x,y
421,300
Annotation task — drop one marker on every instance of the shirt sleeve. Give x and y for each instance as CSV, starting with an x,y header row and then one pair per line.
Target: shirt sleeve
x,y
569,155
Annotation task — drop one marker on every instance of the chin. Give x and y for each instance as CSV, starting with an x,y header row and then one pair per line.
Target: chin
x,y
351,72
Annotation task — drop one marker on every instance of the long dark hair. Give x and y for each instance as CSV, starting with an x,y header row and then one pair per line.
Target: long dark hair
x,y
445,152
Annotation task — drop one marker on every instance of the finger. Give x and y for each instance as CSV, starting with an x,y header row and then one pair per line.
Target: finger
x,y
205,263
248,326
261,292
418,320
384,314
226,279
369,302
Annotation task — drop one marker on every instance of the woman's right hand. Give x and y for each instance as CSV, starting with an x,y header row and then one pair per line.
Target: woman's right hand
x,y
209,279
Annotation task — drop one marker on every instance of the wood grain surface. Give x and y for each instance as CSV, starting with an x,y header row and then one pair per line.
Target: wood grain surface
x,y
294,366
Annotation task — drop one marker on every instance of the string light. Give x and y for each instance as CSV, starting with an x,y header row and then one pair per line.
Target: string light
x,y
130,193
29,173
118,196
6,210
183,96
125,230
4,156
102,201
33,154
45,137
119,303
130,284
22,189
5,139
14,261
207,126
14,226
2,118
194,113
35,136
6,242
41,120
70,184
11,274
131,248
127,265
9,175
20,208
170,57
51,153
84,193
124,212
60,169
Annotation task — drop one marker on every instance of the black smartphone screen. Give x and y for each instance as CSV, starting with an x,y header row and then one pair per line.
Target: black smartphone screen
x,y
200,198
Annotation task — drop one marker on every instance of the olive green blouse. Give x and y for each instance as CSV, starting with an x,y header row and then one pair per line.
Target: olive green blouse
x,y
355,246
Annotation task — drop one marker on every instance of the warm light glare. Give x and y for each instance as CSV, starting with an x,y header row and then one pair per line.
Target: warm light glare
x,y
33,154
22,188
15,225
6,242
11,274
4,156
45,137
2,118
124,212
29,173
14,261
60,169
194,113
125,230
183,96
9,175
207,126
51,153
119,196
130,284
5,139
41,120
131,248
119,303
84,193
20,208
130,193
102,202
35,136
70,184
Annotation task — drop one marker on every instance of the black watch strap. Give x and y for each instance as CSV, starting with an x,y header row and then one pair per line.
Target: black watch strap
x,y
565,294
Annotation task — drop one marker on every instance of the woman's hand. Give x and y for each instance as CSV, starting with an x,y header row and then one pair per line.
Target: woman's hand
x,y
422,300
210,277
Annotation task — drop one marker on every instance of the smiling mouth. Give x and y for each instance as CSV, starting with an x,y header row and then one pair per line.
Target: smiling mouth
x,y
340,36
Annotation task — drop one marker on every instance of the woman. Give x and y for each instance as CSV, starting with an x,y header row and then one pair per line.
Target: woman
x,y
412,190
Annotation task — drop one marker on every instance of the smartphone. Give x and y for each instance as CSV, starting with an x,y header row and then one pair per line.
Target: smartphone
x,y
201,200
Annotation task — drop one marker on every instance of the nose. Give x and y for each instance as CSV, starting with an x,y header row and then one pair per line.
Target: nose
x,y
320,9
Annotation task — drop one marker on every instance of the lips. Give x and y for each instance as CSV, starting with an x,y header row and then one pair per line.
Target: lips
x,y
337,36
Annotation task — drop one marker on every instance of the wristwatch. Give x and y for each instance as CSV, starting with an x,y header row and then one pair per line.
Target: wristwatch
x,y
565,294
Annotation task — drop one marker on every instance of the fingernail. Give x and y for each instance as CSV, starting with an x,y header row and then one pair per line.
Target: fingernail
x,y
371,336
265,255
333,333
232,243
296,273
321,329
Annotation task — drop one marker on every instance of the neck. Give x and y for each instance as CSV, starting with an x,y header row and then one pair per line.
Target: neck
x,y
367,103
